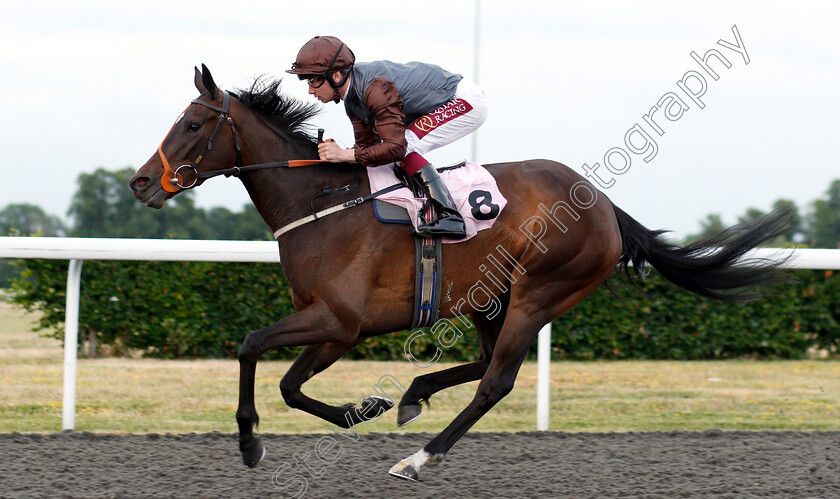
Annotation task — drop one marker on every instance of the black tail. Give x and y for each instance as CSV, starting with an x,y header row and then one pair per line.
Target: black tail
x,y
706,267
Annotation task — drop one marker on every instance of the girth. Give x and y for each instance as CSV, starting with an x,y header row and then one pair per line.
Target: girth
x,y
428,279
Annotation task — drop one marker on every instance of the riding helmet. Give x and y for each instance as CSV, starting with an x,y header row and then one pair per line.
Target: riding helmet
x,y
322,55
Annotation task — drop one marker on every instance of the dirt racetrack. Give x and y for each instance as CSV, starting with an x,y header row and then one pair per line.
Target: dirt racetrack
x,y
534,464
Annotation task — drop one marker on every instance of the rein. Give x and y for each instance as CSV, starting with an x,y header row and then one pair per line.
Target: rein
x,y
238,170
172,180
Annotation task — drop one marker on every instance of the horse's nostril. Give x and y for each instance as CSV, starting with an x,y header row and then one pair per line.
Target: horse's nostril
x,y
139,183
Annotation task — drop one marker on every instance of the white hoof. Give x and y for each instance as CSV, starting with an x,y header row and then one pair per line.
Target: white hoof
x,y
404,470
409,468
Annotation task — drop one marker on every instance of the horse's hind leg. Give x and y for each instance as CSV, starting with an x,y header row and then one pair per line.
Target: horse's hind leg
x,y
311,361
423,387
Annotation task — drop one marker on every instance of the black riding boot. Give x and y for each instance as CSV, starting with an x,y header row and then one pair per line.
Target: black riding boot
x,y
449,224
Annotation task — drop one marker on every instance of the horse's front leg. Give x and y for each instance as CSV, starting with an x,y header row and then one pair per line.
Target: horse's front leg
x,y
314,324
250,446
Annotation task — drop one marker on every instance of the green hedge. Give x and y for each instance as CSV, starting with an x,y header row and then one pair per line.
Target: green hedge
x,y
198,309
661,321
166,309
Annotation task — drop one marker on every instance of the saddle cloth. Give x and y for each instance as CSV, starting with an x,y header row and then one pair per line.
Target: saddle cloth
x,y
474,190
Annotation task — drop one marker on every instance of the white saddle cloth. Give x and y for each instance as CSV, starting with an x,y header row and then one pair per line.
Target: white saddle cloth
x,y
473,189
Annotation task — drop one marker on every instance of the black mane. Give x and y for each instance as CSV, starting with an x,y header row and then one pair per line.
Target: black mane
x,y
287,114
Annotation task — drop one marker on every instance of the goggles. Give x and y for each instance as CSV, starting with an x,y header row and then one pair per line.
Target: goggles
x,y
316,81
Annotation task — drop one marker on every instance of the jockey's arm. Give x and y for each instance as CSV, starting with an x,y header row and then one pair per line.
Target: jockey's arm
x,y
384,142
378,143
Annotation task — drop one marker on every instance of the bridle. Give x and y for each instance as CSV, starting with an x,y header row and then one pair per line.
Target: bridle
x,y
171,180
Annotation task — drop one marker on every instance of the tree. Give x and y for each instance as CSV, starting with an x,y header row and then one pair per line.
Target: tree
x,y
104,206
708,227
25,220
753,214
247,225
250,226
823,224
795,231
714,225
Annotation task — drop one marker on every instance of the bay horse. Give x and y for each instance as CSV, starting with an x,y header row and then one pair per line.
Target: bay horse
x,y
556,241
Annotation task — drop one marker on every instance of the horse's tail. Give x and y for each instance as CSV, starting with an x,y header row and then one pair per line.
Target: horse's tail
x,y
706,267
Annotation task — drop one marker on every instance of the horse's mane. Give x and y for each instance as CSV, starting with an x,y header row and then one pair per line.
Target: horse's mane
x,y
286,113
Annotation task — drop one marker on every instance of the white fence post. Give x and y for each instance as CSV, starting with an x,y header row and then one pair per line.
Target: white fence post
x,y
71,341
543,373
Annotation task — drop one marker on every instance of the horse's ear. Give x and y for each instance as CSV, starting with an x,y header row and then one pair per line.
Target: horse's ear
x,y
198,83
207,80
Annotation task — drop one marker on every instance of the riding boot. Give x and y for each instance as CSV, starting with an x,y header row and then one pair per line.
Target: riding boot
x,y
449,224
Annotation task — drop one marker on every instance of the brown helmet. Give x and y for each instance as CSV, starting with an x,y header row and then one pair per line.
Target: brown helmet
x,y
322,55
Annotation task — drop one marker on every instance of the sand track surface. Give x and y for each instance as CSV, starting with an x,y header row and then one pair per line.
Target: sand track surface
x,y
534,464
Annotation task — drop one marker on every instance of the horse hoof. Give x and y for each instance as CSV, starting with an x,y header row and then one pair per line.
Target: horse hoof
x,y
372,407
408,413
405,471
253,454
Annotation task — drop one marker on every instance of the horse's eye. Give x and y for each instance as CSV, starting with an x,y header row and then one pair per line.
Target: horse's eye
x,y
193,127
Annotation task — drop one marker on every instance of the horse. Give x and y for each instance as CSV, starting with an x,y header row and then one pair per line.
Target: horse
x,y
556,241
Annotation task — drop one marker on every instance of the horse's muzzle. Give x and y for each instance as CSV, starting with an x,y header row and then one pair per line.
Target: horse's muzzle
x,y
148,191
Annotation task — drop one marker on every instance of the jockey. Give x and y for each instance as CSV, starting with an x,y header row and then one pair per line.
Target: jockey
x,y
399,112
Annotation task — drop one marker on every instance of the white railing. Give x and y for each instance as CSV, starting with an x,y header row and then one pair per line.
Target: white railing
x,y
79,249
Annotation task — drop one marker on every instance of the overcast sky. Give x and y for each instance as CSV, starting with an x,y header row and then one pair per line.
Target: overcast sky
x,y
90,84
